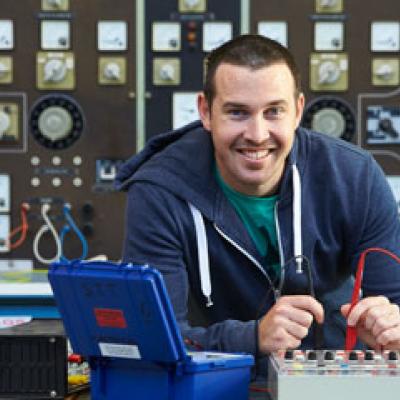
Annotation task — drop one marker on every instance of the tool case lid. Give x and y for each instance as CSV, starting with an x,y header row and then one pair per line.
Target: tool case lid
x,y
117,310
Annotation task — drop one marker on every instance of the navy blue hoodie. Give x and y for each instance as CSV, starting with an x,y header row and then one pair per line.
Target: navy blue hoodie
x,y
346,207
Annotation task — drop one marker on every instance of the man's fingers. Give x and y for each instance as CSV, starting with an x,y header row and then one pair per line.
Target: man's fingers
x,y
363,306
303,318
297,331
377,321
385,322
388,336
306,303
288,322
381,317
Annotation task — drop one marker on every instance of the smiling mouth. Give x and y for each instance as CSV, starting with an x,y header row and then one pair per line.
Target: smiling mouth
x,y
255,154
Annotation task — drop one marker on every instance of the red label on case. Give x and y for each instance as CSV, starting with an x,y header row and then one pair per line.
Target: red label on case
x,y
109,318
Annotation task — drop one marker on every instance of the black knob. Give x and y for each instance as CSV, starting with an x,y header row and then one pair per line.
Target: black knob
x,y
87,211
289,355
88,229
369,355
311,355
328,356
392,356
386,125
353,356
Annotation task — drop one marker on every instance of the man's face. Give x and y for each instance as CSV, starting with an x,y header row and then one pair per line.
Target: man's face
x,y
252,121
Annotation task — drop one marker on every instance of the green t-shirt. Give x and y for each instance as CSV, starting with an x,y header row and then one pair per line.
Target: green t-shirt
x,y
258,215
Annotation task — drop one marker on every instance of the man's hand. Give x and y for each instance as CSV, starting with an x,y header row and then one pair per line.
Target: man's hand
x,y
288,322
377,322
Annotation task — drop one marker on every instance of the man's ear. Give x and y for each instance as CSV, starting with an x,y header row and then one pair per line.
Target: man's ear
x,y
300,101
204,111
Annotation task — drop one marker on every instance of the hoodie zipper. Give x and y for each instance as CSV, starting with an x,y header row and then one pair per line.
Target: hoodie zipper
x,y
251,258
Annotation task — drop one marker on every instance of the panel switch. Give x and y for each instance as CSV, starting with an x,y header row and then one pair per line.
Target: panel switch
x,y
6,69
112,71
9,120
55,70
329,72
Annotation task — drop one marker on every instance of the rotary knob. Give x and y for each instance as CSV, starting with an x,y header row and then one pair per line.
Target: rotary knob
x,y
56,121
167,72
3,69
5,122
329,121
328,72
55,3
191,3
55,71
331,116
112,71
384,71
328,3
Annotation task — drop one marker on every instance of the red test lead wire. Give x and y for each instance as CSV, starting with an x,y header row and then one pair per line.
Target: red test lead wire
x,y
23,228
351,331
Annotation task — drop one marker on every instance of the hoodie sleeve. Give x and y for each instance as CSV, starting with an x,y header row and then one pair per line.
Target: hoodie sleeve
x,y
380,228
159,231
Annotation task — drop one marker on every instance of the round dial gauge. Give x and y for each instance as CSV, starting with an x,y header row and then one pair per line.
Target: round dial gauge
x,y
331,116
55,35
385,36
56,121
184,108
166,36
112,35
215,34
275,30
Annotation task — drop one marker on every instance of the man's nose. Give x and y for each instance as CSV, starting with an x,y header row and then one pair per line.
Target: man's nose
x,y
257,130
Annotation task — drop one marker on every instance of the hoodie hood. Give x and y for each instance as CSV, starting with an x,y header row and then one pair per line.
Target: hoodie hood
x,y
171,161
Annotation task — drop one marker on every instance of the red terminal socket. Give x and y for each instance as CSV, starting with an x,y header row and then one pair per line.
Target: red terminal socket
x,y
75,358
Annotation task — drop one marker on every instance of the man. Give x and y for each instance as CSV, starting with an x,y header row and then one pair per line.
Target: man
x,y
247,215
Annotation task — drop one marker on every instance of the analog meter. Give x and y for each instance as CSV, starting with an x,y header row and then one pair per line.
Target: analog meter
x,y
55,35
184,108
385,36
166,36
112,36
215,34
328,36
275,30
6,34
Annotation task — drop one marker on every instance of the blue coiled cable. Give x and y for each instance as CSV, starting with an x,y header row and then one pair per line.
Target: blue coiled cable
x,y
67,227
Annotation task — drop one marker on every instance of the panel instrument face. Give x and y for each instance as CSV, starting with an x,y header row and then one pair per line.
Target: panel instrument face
x,y
67,121
348,55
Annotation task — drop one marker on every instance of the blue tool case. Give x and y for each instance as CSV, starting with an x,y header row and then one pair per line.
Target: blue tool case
x,y
120,318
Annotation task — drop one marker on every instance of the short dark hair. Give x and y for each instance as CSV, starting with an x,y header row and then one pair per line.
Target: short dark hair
x,y
252,51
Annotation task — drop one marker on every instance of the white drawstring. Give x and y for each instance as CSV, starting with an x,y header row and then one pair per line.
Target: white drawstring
x,y
298,251
202,253
202,246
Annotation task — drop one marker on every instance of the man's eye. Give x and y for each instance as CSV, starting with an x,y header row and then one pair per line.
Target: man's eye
x,y
237,113
274,112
